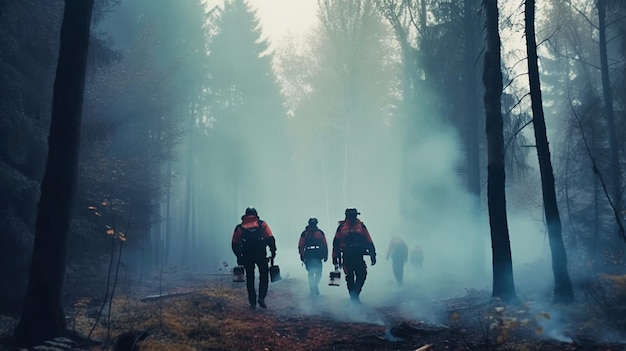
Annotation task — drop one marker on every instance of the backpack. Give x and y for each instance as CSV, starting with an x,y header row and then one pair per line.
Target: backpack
x,y
253,241
355,242
312,245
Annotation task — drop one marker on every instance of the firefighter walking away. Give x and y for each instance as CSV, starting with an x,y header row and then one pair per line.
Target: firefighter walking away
x,y
250,240
352,241
313,248
399,254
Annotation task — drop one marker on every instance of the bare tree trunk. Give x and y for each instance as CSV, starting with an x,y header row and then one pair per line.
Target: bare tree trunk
x,y
42,316
471,99
615,171
503,285
563,291
187,214
472,131
167,235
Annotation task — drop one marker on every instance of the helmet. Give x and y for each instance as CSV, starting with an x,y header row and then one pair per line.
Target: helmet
x,y
351,213
313,221
251,211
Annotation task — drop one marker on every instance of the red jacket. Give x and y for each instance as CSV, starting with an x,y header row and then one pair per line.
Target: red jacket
x,y
350,235
252,223
313,236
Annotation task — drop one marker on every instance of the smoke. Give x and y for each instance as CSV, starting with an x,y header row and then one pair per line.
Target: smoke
x,y
334,302
413,192
407,185
406,179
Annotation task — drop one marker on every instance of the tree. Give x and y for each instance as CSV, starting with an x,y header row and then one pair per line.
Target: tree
x,y
573,83
42,315
244,115
28,63
351,99
607,95
567,81
472,135
563,291
503,284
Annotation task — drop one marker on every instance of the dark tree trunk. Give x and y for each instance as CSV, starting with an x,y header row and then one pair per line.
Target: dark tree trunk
x,y
472,129
503,286
42,316
614,171
563,291
471,101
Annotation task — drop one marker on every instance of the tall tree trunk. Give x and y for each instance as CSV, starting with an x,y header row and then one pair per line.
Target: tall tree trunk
x,y
503,286
42,316
615,172
187,214
472,131
471,99
563,291
147,255
596,204
167,234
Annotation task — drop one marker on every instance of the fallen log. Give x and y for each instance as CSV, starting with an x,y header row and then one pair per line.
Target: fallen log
x,y
163,296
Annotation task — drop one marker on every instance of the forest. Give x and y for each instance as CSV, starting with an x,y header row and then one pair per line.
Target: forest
x,y
488,136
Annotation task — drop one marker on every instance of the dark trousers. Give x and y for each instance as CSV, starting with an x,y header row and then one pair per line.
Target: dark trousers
x,y
314,267
249,266
398,270
356,272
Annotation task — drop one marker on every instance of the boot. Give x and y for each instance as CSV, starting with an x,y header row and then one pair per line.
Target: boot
x,y
262,303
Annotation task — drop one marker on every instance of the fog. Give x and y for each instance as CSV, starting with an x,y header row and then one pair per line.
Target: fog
x,y
312,163
432,210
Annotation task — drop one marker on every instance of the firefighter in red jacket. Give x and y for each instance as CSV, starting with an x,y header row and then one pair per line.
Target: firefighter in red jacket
x,y
249,243
352,241
313,248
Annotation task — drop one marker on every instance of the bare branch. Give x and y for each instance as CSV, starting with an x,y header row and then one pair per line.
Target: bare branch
x,y
596,171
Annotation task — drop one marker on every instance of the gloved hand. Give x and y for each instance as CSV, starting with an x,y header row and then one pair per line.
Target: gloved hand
x,y
335,261
336,267
239,261
325,259
373,259
273,255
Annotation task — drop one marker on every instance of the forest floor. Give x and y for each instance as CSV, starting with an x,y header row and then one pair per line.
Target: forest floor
x,y
209,312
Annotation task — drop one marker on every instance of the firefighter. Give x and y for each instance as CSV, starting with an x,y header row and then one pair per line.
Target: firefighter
x,y
399,253
250,239
352,241
417,257
313,249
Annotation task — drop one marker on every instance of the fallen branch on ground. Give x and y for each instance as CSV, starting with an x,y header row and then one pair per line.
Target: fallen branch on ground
x,y
163,296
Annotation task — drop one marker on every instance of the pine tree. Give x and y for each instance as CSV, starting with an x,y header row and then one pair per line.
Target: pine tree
x,y
246,106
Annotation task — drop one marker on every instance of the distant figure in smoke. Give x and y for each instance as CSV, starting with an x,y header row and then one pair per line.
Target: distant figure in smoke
x,y
250,239
399,253
417,256
313,249
352,241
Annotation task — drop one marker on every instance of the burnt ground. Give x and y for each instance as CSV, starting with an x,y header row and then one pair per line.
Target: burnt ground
x,y
209,312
